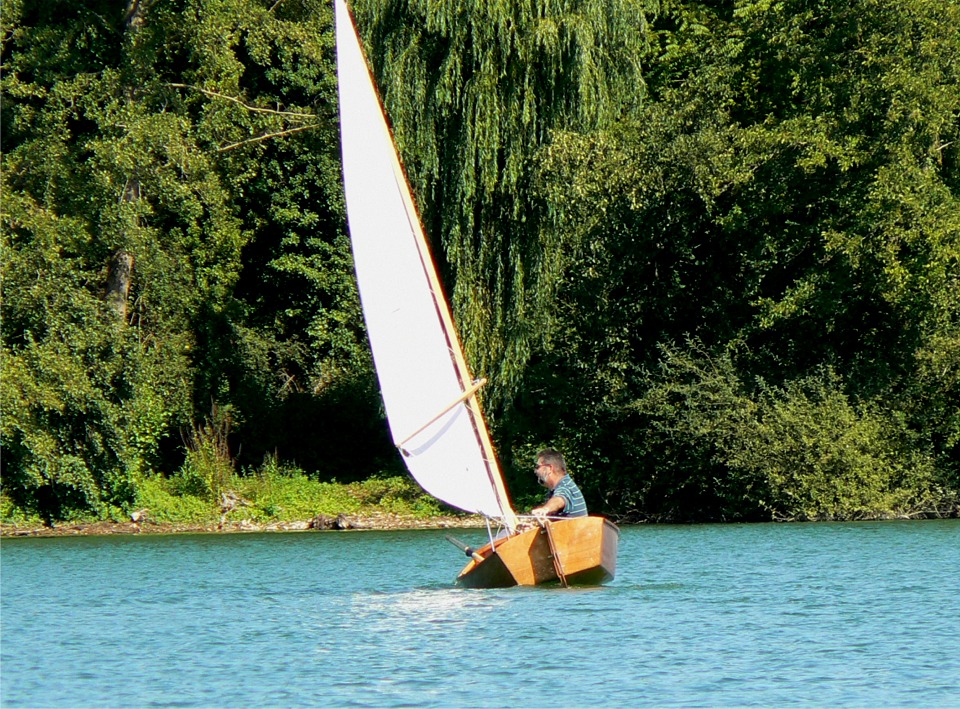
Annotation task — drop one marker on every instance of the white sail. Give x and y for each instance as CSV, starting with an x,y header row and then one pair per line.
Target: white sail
x,y
419,362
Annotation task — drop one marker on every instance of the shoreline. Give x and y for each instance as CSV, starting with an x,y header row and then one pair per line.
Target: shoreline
x,y
381,521
371,521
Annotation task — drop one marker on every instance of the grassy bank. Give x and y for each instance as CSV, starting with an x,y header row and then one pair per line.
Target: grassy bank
x,y
205,498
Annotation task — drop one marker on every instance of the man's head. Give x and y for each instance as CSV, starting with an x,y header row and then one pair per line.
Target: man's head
x,y
551,467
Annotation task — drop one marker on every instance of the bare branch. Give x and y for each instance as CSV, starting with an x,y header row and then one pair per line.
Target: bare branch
x,y
264,137
255,109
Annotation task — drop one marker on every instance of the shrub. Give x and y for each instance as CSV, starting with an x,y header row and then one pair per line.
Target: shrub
x,y
820,456
801,451
165,504
208,468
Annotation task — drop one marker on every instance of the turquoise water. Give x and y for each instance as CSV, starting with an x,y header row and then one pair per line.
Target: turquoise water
x,y
864,614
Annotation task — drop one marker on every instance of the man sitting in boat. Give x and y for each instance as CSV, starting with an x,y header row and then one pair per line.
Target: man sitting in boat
x,y
565,499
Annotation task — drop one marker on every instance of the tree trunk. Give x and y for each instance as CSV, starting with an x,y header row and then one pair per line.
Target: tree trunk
x,y
119,276
120,269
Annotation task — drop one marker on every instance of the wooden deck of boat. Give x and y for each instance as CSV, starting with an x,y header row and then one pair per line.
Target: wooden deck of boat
x,y
586,555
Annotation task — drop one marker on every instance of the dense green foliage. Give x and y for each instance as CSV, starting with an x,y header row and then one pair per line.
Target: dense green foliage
x,y
710,250
788,198
201,139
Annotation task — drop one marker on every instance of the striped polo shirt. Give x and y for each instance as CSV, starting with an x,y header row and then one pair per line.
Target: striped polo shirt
x,y
575,505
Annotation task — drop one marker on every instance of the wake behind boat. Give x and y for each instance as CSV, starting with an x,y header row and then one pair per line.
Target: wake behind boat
x,y
428,392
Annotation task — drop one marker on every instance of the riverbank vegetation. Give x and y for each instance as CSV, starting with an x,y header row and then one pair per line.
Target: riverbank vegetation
x,y
711,251
201,496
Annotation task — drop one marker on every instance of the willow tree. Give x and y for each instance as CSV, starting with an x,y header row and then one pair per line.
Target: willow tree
x,y
474,89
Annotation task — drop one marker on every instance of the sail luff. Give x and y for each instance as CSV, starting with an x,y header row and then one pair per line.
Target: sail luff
x,y
456,349
418,356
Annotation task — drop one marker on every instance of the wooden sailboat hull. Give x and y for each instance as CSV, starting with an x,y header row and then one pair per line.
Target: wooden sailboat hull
x,y
586,555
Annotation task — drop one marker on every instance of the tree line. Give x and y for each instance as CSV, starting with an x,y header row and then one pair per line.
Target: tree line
x,y
710,250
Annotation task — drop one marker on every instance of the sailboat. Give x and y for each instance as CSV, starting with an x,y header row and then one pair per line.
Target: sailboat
x,y
429,395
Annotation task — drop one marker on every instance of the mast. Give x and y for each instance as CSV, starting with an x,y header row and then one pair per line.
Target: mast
x,y
428,392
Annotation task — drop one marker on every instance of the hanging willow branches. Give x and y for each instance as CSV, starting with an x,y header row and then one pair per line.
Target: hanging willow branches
x,y
474,89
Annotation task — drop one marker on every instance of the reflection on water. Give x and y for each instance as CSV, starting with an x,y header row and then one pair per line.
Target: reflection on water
x,y
858,614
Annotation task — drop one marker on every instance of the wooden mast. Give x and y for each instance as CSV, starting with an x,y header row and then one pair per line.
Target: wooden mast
x,y
456,352
467,386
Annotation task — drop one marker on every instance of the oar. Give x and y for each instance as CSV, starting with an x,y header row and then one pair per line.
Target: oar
x,y
469,551
553,552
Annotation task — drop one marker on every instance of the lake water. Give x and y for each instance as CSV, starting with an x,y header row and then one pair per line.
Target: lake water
x,y
864,614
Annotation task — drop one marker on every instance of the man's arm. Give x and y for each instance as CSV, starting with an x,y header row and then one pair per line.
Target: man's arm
x,y
551,507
